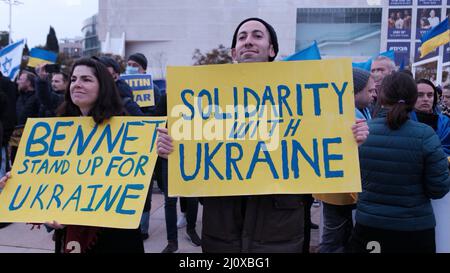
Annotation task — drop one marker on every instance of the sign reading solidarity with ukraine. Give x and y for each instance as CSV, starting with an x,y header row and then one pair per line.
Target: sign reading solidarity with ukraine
x,y
76,172
142,86
262,128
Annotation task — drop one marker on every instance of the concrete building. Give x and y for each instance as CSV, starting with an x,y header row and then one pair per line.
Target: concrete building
x,y
90,42
168,32
73,47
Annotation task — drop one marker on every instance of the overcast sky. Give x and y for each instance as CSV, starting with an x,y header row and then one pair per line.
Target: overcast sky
x,y
33,18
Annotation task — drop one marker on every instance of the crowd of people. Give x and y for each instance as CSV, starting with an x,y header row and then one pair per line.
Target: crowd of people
x,y
403,161
92,88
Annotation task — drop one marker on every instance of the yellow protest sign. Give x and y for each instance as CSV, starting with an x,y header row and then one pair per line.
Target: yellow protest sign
x,y
79,173
262,128
142,86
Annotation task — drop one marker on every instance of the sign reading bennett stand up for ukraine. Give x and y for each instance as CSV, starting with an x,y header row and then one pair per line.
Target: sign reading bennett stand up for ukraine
x,y
262,128
76,172
142,86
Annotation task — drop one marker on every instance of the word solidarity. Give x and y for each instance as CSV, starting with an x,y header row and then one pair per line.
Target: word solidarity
x,y
207,103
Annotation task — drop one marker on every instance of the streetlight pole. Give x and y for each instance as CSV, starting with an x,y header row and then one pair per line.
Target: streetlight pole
x,y
11,3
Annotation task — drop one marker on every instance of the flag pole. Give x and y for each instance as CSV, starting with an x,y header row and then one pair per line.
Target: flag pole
x,y
440,63
11,3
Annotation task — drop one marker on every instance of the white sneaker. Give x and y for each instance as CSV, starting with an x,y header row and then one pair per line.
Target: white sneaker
x,y
181,222
316,203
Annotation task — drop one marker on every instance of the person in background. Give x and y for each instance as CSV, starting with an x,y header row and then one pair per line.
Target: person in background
x,y
7,124
124,89
380,68
338,208
27,106
403,166
445,100
92,93
137,64
425,111
50,93
7,120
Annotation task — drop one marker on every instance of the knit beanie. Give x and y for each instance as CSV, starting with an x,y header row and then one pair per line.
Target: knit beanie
x,y
109,62
140,59
360,79
270,29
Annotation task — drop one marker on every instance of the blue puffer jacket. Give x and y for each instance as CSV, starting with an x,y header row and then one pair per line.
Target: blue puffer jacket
x,y
443,130
401,170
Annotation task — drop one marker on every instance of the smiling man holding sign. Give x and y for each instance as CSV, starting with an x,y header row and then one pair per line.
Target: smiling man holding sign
x,y
253,137
92,171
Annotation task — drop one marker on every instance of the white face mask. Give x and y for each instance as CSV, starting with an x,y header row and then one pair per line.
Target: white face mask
x,y
131,70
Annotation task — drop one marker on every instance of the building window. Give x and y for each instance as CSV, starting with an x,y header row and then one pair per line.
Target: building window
x,y
340,31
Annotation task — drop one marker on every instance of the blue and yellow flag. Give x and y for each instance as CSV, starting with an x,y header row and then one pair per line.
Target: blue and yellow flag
x,y
437,36
39,56
310,53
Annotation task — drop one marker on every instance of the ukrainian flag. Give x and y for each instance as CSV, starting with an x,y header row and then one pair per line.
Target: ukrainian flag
x,y
437,36
309,53
39,56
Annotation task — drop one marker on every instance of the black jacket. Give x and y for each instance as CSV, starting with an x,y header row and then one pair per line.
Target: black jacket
x,y
7,109
158,107
127,99
49,100
253,224
27,106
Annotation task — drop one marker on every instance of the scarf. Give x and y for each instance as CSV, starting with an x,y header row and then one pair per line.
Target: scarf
x,y
80,239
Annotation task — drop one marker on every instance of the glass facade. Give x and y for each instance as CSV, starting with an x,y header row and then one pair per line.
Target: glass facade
x,y
340,31
91,43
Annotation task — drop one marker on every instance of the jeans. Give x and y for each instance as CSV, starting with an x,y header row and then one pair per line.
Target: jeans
x,y
2,162
189,206
337,228
170,204
170,210
308,200
145,218
170,207
145,222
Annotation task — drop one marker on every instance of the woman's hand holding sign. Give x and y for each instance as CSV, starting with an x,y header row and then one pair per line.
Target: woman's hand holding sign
x,y
4,179
54,225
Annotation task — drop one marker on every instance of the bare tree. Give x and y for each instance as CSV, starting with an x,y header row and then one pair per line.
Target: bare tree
x,y
220,55
159,60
